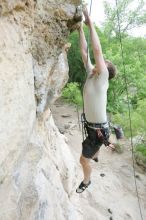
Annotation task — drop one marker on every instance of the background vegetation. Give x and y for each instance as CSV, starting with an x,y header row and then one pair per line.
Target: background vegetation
x,y
134,63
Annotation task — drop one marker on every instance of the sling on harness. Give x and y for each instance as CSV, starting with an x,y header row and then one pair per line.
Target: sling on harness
x,y
99,127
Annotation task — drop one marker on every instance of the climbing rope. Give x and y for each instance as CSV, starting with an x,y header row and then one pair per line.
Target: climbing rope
x,y
129,111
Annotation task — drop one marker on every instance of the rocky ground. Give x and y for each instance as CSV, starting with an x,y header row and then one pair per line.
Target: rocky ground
x,y
112,194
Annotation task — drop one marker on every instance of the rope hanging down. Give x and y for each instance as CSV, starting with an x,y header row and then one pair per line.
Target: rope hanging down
x,y
129,111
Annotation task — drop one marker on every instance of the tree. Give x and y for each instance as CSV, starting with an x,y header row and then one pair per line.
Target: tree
x,y
131,14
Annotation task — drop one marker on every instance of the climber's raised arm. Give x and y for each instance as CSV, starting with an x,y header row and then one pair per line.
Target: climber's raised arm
x,y
96,45
83,48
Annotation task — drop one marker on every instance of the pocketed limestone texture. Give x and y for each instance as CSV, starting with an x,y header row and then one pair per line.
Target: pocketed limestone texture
x,y
36,165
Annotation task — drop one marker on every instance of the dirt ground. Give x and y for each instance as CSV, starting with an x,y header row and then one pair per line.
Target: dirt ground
x,y
112,193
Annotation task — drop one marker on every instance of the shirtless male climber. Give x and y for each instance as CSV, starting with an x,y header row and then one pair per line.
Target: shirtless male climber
x,y
95,101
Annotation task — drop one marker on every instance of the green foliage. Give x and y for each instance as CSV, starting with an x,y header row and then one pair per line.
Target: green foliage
x,y
138,120
140,155
129,15
72,94
132,73
141,148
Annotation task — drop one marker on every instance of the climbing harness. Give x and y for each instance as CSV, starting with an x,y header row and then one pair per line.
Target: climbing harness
x,y
100,128
129,111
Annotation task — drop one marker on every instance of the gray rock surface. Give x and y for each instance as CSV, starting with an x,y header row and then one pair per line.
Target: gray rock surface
x,y
35,161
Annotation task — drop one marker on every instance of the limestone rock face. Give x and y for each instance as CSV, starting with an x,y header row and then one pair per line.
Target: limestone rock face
x,y
35,161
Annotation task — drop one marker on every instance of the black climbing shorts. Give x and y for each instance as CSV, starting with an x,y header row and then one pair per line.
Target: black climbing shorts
x,y
92,143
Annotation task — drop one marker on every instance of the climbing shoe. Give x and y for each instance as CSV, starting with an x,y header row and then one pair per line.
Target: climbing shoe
x,y
82,187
